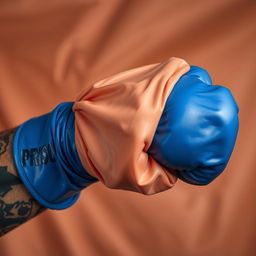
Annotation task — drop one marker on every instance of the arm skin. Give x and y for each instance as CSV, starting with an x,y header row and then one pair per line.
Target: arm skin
x,y
16,203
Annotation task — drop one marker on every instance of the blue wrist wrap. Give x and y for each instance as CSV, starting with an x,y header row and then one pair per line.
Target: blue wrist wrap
x,y
47,160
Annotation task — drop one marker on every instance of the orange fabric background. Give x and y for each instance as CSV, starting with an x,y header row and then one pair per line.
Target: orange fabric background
x,y
49,50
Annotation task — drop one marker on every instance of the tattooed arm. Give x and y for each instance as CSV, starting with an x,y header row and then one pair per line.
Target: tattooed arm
x,y
16,203
40,158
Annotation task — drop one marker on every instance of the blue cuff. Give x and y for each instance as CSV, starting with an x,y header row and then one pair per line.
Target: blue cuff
x,y
47,160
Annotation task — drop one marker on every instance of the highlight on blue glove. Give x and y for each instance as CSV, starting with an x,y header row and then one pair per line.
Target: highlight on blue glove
x,y
197,131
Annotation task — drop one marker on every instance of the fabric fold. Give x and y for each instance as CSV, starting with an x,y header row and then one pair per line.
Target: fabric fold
x,y
115,122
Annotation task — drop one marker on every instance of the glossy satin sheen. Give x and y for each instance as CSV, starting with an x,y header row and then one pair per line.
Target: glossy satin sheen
x,y
47,160
116,119
197,130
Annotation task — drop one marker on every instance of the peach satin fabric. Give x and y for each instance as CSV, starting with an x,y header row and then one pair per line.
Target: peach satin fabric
x,y
115,121
51,50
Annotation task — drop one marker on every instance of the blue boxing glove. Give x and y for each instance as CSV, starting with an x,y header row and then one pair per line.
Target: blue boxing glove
x,y
197,130
47,160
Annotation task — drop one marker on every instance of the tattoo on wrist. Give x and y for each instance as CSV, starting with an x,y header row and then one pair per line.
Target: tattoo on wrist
x,y
7,180
4,141
14,214
13,210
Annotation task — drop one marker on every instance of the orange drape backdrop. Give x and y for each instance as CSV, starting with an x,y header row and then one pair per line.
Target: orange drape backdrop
x,y
49,50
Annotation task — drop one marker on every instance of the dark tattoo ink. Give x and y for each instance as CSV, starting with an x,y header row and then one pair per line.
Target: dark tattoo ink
x,y
4,141
14,214
16,203
7,180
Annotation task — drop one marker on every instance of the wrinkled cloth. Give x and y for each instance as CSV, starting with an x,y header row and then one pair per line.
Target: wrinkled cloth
x,y
115,122
51,50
